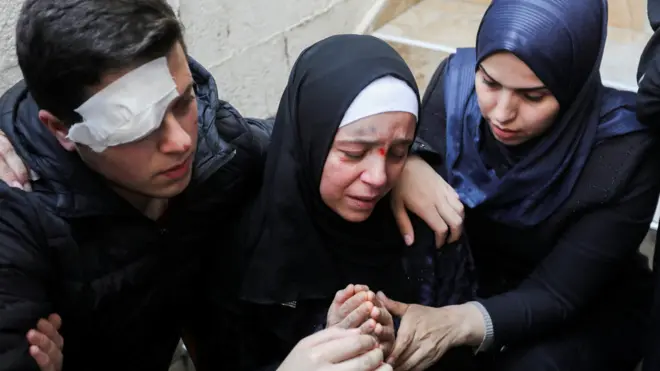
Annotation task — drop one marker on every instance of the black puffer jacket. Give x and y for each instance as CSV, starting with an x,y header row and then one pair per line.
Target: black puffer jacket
x,y
125,285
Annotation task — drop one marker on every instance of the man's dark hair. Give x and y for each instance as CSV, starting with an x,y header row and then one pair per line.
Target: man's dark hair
x,y
66,46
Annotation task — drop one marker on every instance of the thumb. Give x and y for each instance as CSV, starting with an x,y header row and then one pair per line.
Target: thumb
x,y
394,307
402,219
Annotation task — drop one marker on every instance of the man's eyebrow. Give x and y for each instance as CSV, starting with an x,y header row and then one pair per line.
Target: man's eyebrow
x,y
189,88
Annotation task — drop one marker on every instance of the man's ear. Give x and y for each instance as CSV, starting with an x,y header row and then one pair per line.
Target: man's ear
x,y
58,128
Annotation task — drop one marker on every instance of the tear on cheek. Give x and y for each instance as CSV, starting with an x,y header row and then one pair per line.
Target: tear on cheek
x,y
381,151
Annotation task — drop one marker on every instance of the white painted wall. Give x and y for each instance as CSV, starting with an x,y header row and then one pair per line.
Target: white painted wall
x,y
248,45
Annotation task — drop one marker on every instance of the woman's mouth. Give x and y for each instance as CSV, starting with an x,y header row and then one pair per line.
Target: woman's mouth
x,y
363,203
504,135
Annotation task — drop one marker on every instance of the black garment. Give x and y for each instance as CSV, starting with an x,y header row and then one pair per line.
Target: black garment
x,y
303,249
648,77
124,285
305,252
609,341
652,357
648,110
579,273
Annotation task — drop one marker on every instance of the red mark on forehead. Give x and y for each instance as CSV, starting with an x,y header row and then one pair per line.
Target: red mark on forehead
x,y
381,151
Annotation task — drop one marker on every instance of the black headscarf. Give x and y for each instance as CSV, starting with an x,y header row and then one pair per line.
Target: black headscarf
x,y
301,248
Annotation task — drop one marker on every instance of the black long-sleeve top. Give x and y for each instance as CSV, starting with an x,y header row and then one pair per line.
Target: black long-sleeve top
x,y
582,260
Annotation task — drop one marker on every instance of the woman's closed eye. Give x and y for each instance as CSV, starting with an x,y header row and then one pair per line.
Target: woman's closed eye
x,y
393,153
398,152
354,155
491,84
535,98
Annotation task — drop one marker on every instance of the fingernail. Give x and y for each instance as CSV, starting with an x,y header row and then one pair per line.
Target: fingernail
x,y
408,239
16,184
27,187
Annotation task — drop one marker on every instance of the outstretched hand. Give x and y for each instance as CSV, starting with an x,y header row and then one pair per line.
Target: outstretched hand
x,y
426,333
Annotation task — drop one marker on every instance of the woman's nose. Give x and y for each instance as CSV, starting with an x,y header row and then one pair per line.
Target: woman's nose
x,y
505,109
375,174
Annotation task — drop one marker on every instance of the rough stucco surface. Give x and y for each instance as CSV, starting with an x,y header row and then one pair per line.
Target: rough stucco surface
x,y
249,45
9,72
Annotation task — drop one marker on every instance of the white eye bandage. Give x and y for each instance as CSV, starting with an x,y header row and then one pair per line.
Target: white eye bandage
x,y
127,110
386,94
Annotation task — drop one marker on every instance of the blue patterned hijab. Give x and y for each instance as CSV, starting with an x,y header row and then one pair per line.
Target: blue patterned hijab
x,y
562,41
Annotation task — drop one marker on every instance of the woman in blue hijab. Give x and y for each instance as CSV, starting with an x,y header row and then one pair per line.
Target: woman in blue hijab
x,y
559,185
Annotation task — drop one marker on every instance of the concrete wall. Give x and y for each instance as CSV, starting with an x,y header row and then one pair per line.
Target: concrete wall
x,y
248,45
9,72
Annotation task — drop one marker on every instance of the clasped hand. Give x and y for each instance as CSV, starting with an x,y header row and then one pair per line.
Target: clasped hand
x,y
358,307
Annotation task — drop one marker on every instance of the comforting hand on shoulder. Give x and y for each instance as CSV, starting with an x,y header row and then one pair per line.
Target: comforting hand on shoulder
x,y
357,307
422,191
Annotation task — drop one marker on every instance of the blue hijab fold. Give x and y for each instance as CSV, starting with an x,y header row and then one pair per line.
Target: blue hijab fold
x,y
562,42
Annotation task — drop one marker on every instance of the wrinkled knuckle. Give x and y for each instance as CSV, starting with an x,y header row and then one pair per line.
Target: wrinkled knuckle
x,y
315,356
460,209
351,319
366,341
373,358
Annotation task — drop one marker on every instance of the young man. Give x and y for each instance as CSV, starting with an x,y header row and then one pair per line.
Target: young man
x,y
136,167
108,116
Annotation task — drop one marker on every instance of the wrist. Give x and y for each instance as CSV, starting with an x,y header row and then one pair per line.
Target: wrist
x,y
470,326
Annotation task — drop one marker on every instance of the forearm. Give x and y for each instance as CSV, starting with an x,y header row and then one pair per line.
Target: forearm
x,y
521,314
